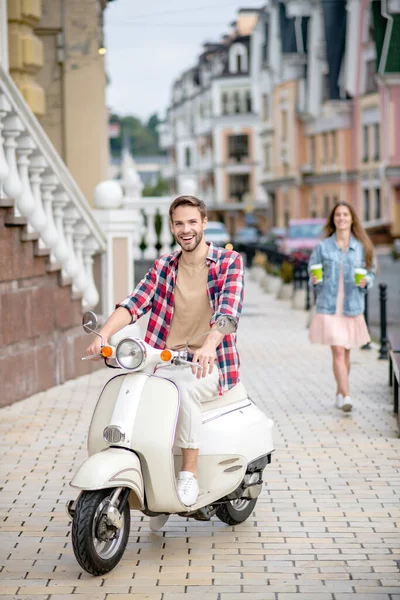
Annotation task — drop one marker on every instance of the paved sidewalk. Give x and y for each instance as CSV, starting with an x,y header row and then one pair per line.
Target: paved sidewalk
x,y
327,525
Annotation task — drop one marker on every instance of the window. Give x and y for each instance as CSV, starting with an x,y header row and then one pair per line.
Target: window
x,y
248,102
333,147
284,125
225,103
378,208
238,146
377,153
265,107
335,200
365,144
236,102
313,207
286,213
238,64
366,205
312,151
239,185
370,79
326,93
188,157
268,158
326,205
325,148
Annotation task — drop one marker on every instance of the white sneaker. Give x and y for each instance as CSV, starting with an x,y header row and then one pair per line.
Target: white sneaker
x,y
347,404
339,401
158,522
188,488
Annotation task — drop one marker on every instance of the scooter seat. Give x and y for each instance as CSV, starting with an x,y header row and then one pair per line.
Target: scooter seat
x,y
232,396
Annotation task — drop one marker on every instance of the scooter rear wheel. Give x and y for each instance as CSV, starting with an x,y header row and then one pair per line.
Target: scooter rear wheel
x,y
236,511
95,553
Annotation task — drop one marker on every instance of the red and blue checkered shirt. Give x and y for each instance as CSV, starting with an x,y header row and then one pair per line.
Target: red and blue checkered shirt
x,y
225,292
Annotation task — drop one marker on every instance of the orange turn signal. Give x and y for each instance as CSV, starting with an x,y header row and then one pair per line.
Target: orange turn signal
x,y
106,351
166,355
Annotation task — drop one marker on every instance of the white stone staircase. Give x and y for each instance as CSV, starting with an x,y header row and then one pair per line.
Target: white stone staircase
x,y
41,193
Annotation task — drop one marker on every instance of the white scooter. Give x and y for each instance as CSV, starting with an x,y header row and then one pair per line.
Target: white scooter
x,y
133,463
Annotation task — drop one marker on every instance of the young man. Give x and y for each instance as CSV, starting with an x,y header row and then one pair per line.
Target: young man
x,y
186,291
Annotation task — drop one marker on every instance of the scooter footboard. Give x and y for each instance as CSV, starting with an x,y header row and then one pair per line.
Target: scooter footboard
x,y
115,467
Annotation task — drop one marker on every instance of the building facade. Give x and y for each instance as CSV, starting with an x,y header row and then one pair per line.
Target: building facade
x,y
212,126
293,113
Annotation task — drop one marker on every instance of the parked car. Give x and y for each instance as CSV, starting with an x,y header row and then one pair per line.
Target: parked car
x,y
245,236
302,237
273,239
217,233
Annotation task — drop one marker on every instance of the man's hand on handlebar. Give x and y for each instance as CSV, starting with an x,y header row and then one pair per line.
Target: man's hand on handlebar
x,y
95,348
205,357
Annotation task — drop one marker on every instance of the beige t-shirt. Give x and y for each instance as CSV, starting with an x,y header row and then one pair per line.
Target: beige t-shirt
x,y
192,310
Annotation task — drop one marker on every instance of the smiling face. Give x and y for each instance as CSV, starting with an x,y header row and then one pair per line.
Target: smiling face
x,y
342,219
188,227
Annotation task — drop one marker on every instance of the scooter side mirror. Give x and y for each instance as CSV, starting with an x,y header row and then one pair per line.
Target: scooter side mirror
x,y
90,322
226,324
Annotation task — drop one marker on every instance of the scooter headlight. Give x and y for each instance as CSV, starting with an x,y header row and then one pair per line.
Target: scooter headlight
x,y
130,353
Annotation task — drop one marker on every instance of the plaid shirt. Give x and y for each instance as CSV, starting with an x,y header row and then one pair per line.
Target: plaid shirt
x,y
225,292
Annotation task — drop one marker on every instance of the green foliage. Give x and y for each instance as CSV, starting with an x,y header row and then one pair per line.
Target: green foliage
x,y
287,272
161,188
142,138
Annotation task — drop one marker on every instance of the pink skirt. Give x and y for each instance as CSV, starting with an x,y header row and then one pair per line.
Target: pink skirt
x,y
339,330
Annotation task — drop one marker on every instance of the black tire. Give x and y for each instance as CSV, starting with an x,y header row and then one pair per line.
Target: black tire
x,y
95,556
236,511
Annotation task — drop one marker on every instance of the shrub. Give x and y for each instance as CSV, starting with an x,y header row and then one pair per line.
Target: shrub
x,y
287,272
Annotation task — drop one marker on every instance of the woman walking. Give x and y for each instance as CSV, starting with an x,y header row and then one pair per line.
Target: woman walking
x,y
342,267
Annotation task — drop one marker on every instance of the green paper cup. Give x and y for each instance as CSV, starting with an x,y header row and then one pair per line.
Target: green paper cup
x,y
316,270
359,275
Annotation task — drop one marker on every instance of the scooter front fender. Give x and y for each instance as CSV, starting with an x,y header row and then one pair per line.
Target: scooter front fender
x,y
114,467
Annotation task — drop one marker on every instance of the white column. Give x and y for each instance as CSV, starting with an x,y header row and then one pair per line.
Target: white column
x,y
150,238
91,295
4,170
60,200
3,35
80,234
38,218
25,201
70,218
49,233
12,183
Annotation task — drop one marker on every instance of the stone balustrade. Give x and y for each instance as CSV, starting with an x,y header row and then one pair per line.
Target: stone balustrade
x,y
33,175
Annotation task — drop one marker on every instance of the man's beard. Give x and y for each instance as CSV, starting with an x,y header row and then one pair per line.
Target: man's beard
x,y
196,241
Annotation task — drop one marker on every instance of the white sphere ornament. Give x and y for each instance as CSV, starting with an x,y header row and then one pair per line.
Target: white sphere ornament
x,y
108,194
188,187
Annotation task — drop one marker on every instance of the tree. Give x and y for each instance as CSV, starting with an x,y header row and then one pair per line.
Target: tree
x,y
141,139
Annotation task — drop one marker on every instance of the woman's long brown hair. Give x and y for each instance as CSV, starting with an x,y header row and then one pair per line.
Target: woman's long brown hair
x,y
356,229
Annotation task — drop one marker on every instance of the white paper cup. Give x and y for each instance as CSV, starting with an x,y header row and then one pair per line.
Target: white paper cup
x,y
359,275
316,270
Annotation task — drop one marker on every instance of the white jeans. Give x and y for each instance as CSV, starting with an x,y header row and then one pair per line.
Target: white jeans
x,y
193,392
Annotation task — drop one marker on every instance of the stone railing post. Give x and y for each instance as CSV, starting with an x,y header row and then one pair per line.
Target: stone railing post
x,y
12,183
4,170
91,295
150,252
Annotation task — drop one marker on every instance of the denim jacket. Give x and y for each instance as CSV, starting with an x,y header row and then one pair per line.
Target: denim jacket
x,y
331,257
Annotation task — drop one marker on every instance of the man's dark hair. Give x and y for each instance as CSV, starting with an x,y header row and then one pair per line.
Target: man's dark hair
x,y
188,201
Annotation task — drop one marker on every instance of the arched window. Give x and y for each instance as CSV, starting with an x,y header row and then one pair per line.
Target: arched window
x,y
238,58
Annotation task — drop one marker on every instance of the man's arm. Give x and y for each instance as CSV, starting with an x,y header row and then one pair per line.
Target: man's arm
x,y
230,303
128,311
117,320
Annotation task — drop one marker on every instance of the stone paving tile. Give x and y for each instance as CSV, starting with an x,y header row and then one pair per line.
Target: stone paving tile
x,y
327,522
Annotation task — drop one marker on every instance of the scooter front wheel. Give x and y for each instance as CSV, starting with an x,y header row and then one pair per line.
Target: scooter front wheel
x,y
236,511
98,545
